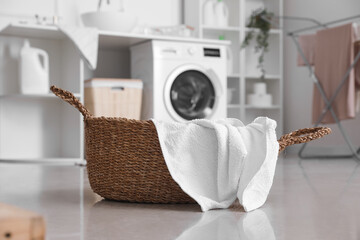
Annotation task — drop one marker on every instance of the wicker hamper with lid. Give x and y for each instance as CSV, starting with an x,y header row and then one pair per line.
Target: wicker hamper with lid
x,y
125,161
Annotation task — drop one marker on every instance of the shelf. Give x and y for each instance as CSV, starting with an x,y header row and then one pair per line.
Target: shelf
x,y
233,106
33,31
256,77
39,128
211,28
237,29
107,39
47,96
50,161
244,72
272,31
267,77
266,107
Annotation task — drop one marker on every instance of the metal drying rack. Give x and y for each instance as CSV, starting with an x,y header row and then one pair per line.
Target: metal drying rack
x,y
355,153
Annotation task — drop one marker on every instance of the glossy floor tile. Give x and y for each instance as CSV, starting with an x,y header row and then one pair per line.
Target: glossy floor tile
x,y
310,199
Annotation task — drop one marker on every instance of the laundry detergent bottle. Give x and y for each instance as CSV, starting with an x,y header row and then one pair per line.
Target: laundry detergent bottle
x,y
209,13
221,14
34,70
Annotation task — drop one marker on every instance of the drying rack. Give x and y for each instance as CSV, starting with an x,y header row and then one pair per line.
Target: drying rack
x,y
294,35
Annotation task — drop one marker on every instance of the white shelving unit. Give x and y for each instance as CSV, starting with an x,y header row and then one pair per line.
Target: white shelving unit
x,y
245,73
41,128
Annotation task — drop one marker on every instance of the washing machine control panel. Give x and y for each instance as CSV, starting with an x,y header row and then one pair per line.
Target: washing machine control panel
x,y
183,51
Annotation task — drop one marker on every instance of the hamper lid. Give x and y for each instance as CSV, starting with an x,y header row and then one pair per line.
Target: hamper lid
x,y
113,82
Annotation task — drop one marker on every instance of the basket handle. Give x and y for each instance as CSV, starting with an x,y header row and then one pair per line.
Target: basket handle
x,y
302,136
71,99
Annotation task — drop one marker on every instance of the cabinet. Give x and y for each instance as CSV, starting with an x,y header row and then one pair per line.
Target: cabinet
x,y
244,72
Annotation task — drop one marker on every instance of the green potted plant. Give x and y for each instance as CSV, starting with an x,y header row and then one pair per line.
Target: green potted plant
x,y
260,26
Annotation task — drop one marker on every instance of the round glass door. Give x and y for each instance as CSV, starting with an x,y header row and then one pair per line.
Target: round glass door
x,y
192,95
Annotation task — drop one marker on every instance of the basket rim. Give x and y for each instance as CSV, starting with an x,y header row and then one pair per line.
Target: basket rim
x,y
116,119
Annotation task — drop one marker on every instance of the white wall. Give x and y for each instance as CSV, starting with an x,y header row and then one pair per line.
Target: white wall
x,y
151,13
297,86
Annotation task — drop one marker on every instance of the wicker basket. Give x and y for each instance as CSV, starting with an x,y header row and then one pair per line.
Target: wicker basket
x,y
125,162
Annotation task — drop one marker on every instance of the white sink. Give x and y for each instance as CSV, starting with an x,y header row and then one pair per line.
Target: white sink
x,y
109,21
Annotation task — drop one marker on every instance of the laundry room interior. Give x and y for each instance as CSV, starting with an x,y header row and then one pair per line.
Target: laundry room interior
x,y
179,119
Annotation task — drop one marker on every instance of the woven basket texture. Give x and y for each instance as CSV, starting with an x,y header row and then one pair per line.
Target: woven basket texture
x,y
125,162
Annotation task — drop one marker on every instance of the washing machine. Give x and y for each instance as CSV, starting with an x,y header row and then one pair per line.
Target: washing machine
x,y
182,80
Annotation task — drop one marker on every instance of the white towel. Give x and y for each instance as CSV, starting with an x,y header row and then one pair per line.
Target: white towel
x,y
86,40
215,162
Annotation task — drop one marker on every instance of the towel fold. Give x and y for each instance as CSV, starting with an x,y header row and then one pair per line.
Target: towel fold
x,y
357,69
86,41
357,101
307,44
3,24
215,162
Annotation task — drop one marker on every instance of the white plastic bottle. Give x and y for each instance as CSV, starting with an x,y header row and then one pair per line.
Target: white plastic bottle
x,y
222,14
209,13
34,72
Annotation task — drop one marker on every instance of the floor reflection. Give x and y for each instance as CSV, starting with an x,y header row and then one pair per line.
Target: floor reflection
x,y
223,224
316,191
106,219
109,219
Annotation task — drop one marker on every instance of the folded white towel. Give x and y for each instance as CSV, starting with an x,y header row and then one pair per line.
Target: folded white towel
x,y
215,162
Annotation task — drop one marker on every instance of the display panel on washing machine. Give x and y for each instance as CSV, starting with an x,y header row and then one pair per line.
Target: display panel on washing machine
x,y
211,52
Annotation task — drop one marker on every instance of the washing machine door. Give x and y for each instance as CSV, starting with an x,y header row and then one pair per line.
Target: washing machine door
x,y
191,92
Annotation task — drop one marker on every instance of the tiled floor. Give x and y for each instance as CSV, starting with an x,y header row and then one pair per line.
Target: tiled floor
x,y
310,199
